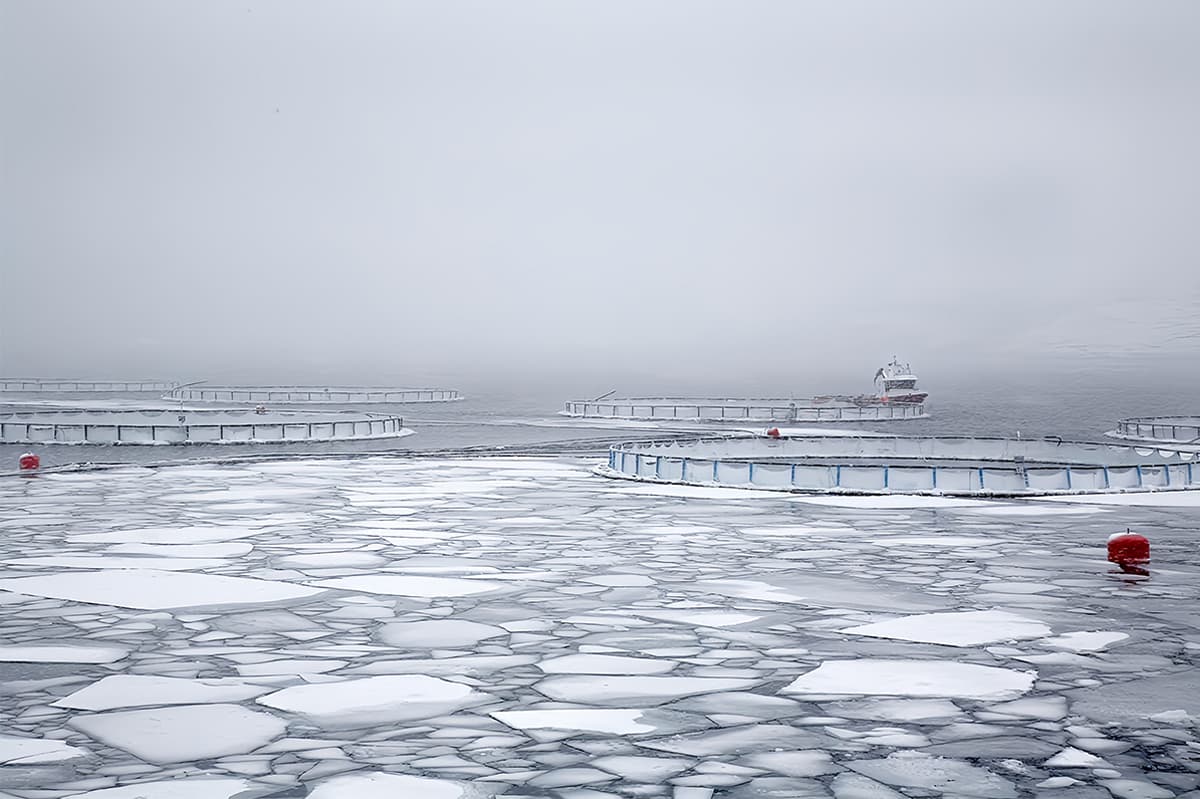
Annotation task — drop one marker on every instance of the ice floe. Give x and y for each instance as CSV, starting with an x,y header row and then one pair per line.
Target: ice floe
x,y
369,701
136,690
36,751
917,678
183,733
50,653
966,628
150,589
637,691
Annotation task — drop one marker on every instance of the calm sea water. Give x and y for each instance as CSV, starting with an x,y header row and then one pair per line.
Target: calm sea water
x,y
1079,400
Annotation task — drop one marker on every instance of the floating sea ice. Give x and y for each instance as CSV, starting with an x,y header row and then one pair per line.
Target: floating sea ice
x,y
439,634
183,734
871,677
950,777
634,690
895,709
745,739
467,664
1075,758
698,618
135,690
36,751
849,785
65,653
331,560
287,666
184,788
1136,789
169,535
149,589
616,722
1084,641
604,664
801,763
933,541
368,701
750,589
230,550
408,585
114,562
1049,708
620,580
379,785
967,628
640,769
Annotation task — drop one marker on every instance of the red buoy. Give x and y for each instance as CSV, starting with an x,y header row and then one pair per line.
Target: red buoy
x,y
1128,549
29,462
773,432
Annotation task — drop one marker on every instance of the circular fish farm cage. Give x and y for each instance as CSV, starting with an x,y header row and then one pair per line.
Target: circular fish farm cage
x,y
949,466
726,409
194,427
345,395
37,385
1183,431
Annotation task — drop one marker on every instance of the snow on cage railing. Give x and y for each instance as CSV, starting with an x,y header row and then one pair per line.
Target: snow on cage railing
x,y
1173,430
895,464
313,394
194,427
721,409
37,385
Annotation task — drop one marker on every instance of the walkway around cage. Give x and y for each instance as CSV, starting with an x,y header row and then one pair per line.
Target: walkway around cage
x,y
728,409
346,395
952,466
194,427
1182,431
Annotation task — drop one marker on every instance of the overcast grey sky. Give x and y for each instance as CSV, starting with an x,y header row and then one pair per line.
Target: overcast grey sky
x,y
388,189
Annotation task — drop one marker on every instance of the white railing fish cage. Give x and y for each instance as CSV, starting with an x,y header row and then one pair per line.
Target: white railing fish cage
x,y
724,409
38,385
346,395
194,427
895,464
1183,431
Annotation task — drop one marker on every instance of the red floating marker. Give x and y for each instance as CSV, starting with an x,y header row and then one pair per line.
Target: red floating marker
x,y
29,462
773,432
1128,549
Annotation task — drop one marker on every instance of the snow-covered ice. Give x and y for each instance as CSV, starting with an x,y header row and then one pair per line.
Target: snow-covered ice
x,y
874,677
369,701
966,628
515,626
151,589
183,733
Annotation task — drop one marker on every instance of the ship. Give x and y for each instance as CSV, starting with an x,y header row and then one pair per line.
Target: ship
x,y
897,384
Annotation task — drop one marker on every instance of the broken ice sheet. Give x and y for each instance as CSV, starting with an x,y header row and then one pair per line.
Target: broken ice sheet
x,y
967,628
381,785
149,589
617,721
636,691
368,701
183,733
950,777
36,751
61,653
916,678
134,690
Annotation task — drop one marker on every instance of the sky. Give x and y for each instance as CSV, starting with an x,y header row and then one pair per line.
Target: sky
x,y
400,192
